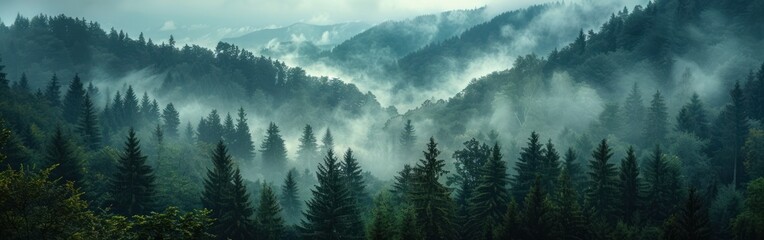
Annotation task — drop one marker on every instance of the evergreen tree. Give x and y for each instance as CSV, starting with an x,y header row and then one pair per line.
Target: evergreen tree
x,y
218,182
308,149
242,147
270,225
489,203
189,132
633,115
73,100
130,107
551,167
430,199
731,130
144,109
53,92
536,221
351,174
469,164
3,77
402,185
382,221
159,140
328,212
656,121
290,200
62,153
407,227
408,138
88,125
692,219
629,187
529,165
273,150
601,194
229,130
116,112
327,141
210,129
133,185
236,219
571,165
692,118
571,223
23,82
663,186
92,91
510,224
153,114
171,119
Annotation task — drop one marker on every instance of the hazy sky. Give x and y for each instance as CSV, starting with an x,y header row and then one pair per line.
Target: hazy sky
x,y
206,21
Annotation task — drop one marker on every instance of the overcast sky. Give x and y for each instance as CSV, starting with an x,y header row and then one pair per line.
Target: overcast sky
x,y
206,21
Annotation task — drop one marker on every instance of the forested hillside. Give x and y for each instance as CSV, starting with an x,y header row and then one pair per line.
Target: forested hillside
x,y
649,127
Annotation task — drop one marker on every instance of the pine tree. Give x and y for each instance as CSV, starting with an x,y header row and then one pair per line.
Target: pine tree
x,y
236,219
62,153
382,221
308,149
601,194
23,82
402,185
153,114
692,118
3,79
274,151
133,185
692,219
158,135
571,165
53,92
88,125
218,182
144,109
327,141
629,187
290,200
469,164
430,199
489,203
529,165
510,224
73,100
663,186
536,221
243,147
116,112
551,167
570,218
408,138
229,130
270,225
407,226
351,174
328,211
633,115
731,131
189,132
92,91
130,107
656,121
171,119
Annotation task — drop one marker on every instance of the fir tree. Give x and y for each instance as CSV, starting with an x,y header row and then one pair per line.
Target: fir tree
x,y
218,182
133,185
510,224
242,147
629,187
529,165
23,82
571,165
692,219
229,130
73,100
62,153
663,186
351,174
53,92
656,121
408,138
601,194
330,208
270,225
407,226
489,203
88,125
327,141
290,200
692,118
571,223
130,107
171,119
236,219
536,221
731,130
274,151
633,115
430,199
144,109
3,77
189,132
402,185
551,167
382,221
469,164
308,149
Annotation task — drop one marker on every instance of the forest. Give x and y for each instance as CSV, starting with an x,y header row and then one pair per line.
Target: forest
x,y
649,127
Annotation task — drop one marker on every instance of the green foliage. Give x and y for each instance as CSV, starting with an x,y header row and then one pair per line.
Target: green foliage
x,y
290,200
402,185
273,151
88,125
270,225
629,188
308,149
750,223
510,224
489,203
754,153
132,187
73,100
382,225
537,218
171,119
634,115
469,165
408,138
656,121
63,158
571,223
529,165
692,220
407,226
242,146
329,211
692,118
53,92
601,194
430,199
663,186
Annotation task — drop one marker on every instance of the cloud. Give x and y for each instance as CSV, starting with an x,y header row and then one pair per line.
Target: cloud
x,y
168,26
